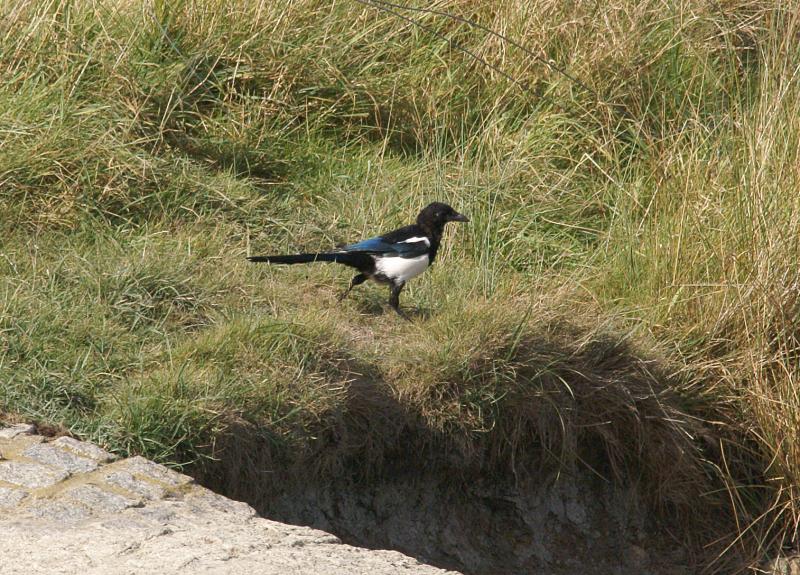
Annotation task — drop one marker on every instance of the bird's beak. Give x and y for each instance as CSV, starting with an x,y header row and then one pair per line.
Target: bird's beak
x,y
459,218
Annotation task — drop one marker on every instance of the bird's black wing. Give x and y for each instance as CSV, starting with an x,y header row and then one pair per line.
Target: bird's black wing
x,y
407,242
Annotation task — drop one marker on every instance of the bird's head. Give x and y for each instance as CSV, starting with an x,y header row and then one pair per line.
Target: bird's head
x,y
437,214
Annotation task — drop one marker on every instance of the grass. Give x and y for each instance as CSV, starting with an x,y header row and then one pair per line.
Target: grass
x,y
630,268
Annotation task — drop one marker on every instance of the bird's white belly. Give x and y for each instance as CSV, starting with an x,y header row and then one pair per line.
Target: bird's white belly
x,y
401,269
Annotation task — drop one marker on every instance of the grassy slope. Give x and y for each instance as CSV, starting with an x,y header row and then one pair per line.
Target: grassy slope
x,y
146,148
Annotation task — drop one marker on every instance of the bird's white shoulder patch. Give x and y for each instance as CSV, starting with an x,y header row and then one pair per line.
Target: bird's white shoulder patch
x,y
416,239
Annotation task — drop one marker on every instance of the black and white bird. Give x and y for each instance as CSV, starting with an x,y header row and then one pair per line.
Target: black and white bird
x,y
393,258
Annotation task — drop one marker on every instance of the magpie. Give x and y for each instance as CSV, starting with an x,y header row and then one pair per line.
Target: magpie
x,y
393,258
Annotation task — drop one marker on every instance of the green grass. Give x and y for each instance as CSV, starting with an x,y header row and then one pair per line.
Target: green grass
x,y
630,268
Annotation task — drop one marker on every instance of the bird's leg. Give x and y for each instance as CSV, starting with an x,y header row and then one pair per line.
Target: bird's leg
x,y
394,299
357,280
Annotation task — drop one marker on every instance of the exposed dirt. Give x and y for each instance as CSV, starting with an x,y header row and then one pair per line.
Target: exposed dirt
x,y
566,524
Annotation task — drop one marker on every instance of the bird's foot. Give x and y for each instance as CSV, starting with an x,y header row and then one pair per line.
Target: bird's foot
x,y
402,314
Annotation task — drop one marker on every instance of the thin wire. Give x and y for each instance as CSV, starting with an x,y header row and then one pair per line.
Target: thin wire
x,y
488,30
387,7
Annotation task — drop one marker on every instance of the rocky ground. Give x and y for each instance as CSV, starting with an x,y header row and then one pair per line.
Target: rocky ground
x,y
70,507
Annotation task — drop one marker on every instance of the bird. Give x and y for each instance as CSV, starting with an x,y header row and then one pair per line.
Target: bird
x,y
392,258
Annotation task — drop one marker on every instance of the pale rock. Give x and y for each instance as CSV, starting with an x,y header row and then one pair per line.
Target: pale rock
x,y
128,482
141,466
100,500
30,475
11,497
61,459
15,430
85,449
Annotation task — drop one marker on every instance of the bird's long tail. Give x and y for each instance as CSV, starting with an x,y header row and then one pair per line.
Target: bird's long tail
x,y
350,259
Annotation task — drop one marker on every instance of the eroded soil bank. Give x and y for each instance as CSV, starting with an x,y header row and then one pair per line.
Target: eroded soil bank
x,y
570,524
553,524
